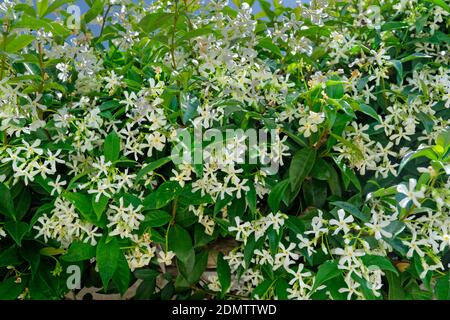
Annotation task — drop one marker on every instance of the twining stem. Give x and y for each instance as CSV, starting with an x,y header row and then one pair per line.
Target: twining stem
x,y
104,20
172,47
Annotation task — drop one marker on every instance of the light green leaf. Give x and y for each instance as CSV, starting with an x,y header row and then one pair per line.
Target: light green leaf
x,y
156,20
18,43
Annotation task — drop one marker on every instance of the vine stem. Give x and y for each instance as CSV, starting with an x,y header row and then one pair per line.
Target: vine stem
x,y
104,20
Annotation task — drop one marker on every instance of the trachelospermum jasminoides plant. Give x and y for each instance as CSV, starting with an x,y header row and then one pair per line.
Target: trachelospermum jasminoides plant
x,y
314,140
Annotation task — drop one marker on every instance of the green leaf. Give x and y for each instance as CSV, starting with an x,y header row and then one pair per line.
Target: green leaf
x,y
335,88
146,274
295,224
56,4
442,288
201,262
381,262
301,165
399,67
424,152
349,144
156,218
350,208
10,257
315,193
151,167
84,205
112,147
267,43
260,292
440,3
334,182
189,105
250,198
95,10
364,108
395,291
18,43
42,7
223,273
22,203
166,192
414,56
327,271
320,171
100,206
108,255
17,230
30,252
180,242
10,290
276,195
249,250
281,289
156,20
79,251
6,202
348,175
121,277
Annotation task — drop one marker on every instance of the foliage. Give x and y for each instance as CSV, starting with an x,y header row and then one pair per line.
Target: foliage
x,y
356,94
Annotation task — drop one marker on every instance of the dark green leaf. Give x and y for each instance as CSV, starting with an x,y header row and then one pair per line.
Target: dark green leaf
x,y
301,165
156,218
223,273
180,242
327,271
276,195
79,251
151,167
17,230
6,202
107,256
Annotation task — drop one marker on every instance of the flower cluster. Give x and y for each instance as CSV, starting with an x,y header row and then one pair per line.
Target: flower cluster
x,y
314,141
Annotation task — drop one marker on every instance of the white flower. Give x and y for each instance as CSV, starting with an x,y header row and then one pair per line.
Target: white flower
x,y
275,220
166,257
57,185
242,230
410,193
63,75
299,277
343,222
2,232
286,256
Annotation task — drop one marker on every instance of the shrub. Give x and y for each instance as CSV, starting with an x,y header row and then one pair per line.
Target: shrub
x,y
138,136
